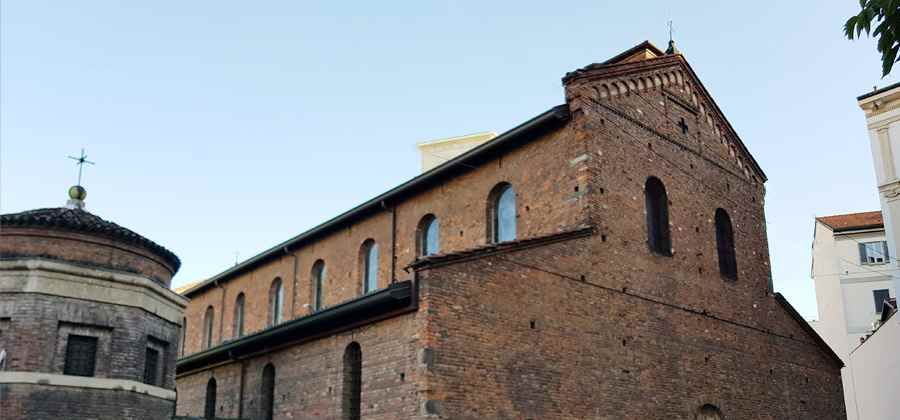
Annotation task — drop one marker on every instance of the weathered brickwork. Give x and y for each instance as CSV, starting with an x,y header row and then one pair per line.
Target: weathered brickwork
x,y
545,184
551,345
38,402
40,325
84,249
577,319
65,272
309,377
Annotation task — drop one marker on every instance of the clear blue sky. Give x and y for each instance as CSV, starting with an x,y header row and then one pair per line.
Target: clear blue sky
x,y
222,127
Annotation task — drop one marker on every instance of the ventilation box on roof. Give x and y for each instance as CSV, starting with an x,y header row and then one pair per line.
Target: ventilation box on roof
x,y
436,152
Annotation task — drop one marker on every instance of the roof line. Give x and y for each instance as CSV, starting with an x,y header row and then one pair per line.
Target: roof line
x,y
809,330
499,248
877,91
551,117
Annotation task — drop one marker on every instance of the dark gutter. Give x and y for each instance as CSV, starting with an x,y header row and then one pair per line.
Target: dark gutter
x,y
521,134
809,330
853,228
398,298
439,260
877,91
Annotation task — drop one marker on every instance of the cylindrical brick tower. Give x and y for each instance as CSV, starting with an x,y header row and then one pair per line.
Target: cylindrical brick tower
x,y
88,326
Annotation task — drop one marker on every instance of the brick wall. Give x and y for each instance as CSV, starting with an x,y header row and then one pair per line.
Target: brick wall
x,y
41,323
547,192
309,377
520,335
88,250
576,329
38,402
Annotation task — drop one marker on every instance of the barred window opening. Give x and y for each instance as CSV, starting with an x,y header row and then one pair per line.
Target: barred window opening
x,y
81,355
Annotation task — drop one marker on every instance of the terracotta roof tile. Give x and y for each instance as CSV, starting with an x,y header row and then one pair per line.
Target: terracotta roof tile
x,y
80,221
853,221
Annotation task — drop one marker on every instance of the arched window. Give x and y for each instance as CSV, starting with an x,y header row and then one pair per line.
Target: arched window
x,y
318,283
238,328
709,412
352,387
657,203
369,266
267,392
502,213
209,409
427,236
276,302
208,322
725,245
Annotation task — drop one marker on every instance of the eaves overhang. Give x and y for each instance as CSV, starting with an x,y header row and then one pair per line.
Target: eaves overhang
x,y
396,299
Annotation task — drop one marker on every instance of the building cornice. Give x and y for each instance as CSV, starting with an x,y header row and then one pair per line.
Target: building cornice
x,y
106,384
879,102
51,277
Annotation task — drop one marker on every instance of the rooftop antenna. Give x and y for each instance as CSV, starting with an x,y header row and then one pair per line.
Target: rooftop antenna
x,y
77,193
672,48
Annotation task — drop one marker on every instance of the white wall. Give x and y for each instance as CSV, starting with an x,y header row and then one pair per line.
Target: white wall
x,y
844,297
876,373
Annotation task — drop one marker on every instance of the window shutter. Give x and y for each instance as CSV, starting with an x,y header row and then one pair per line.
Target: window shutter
x,y
862,254
887,257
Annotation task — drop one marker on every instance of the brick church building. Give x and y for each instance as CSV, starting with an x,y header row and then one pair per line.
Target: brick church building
x,y
605,259
89,328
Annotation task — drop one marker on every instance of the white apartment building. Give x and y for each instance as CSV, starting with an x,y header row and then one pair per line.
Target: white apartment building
x,y
851,269
852,274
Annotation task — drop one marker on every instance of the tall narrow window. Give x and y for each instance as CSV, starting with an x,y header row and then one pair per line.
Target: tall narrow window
x,y
238,328
657,207
209,409
267,392
369,254
208,328
725,245
352,384
81,355
318,280
151,366
428,239
276,302
502,213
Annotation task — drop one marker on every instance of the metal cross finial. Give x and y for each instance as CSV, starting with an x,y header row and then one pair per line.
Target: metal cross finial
x,y
671,29
80,161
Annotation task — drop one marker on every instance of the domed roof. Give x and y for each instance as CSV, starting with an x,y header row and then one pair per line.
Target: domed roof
x,y
80,221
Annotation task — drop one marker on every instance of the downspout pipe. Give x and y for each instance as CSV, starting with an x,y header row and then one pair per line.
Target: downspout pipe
x,y
393,210
293,283
221,314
